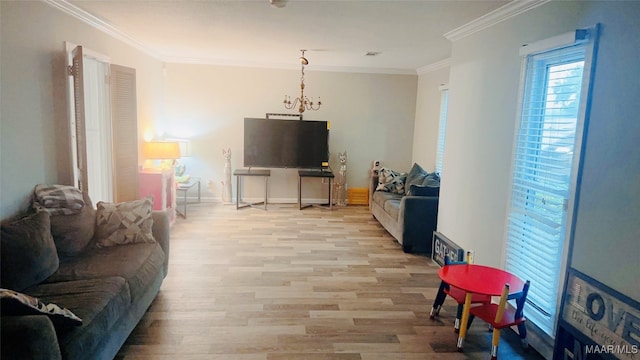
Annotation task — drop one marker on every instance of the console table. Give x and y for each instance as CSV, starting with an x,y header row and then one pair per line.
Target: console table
x,y
240,173
160,184
323,174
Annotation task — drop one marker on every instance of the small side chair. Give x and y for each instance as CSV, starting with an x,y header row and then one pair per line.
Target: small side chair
x,y
457,294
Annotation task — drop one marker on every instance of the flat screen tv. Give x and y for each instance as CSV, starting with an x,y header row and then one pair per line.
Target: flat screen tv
x,y
274,143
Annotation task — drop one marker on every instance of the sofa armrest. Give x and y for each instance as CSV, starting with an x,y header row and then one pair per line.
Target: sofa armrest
x,y
162,233
373,184
418,219
29,337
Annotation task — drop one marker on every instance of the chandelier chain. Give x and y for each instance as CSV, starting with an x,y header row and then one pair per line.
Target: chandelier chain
x,y
303,103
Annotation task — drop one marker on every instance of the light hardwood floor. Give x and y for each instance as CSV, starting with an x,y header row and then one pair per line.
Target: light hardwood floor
x,y
314,284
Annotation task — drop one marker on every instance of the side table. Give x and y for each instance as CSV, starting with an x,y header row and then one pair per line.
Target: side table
x,y
240,173
183,189
323,174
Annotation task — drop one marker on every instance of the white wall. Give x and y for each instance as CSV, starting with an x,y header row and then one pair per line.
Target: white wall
x,y
484,83
34,143
371,115
482,107
425,134
607,233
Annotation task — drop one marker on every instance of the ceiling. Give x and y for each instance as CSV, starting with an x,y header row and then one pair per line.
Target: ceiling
x,y
408,35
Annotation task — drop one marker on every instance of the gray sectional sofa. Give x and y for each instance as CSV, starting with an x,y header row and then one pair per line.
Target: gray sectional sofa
x,y
55,272
406,205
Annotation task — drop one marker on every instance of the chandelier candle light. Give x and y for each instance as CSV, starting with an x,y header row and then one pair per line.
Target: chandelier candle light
x,y
302,102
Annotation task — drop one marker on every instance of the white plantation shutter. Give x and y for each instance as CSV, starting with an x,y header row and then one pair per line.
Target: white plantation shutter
x,y
80,171
548,142
444,101
125,132
109,166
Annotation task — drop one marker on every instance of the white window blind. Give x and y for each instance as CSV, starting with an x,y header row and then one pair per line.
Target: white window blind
x,y
547,142
444,100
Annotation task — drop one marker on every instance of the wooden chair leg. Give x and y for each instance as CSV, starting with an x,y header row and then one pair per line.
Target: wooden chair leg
x,y
439,300
495,341
456,324
522,332
464,322
435,311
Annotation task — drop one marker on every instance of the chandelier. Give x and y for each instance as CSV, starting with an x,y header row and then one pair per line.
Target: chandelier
x,y
303,103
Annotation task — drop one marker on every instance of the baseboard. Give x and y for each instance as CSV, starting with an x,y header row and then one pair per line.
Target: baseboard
x,y
539,340
218,199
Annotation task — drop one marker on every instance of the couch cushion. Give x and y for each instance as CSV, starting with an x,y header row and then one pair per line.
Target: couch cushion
x,y
392,207
27,252
35,330
72,233
15,303
138,264
99,302
124,223
380,197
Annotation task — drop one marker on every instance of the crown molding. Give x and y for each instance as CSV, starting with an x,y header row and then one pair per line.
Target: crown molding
x,y
262,65
434,66
514,8
100,24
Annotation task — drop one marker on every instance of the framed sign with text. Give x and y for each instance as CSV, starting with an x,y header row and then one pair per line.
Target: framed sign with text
x,y
442,247
597,322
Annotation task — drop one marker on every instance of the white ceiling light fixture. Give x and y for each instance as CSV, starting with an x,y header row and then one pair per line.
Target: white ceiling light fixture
x,y
303,103
278,3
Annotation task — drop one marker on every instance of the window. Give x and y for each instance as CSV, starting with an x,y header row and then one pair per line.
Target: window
x,y
444,100
548,141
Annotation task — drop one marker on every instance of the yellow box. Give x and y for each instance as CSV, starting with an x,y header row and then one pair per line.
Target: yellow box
x,y
358,196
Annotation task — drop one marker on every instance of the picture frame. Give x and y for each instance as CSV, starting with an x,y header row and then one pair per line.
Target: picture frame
x,y
442,246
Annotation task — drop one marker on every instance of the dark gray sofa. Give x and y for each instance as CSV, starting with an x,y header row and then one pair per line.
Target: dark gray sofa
x,y
411,218
109,288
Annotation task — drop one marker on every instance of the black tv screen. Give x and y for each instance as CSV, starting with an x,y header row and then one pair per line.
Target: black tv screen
x,y
276,143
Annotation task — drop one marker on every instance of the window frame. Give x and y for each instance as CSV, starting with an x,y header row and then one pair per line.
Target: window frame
x,y
442,126
588,39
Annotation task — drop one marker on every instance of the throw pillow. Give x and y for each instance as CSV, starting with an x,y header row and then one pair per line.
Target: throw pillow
x,y
415,177
72,233
124,223
391,181
17,304
424,190
27,252
433,179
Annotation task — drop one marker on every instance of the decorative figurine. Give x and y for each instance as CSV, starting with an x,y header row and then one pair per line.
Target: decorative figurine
x,y
375,167
341,181
226,183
